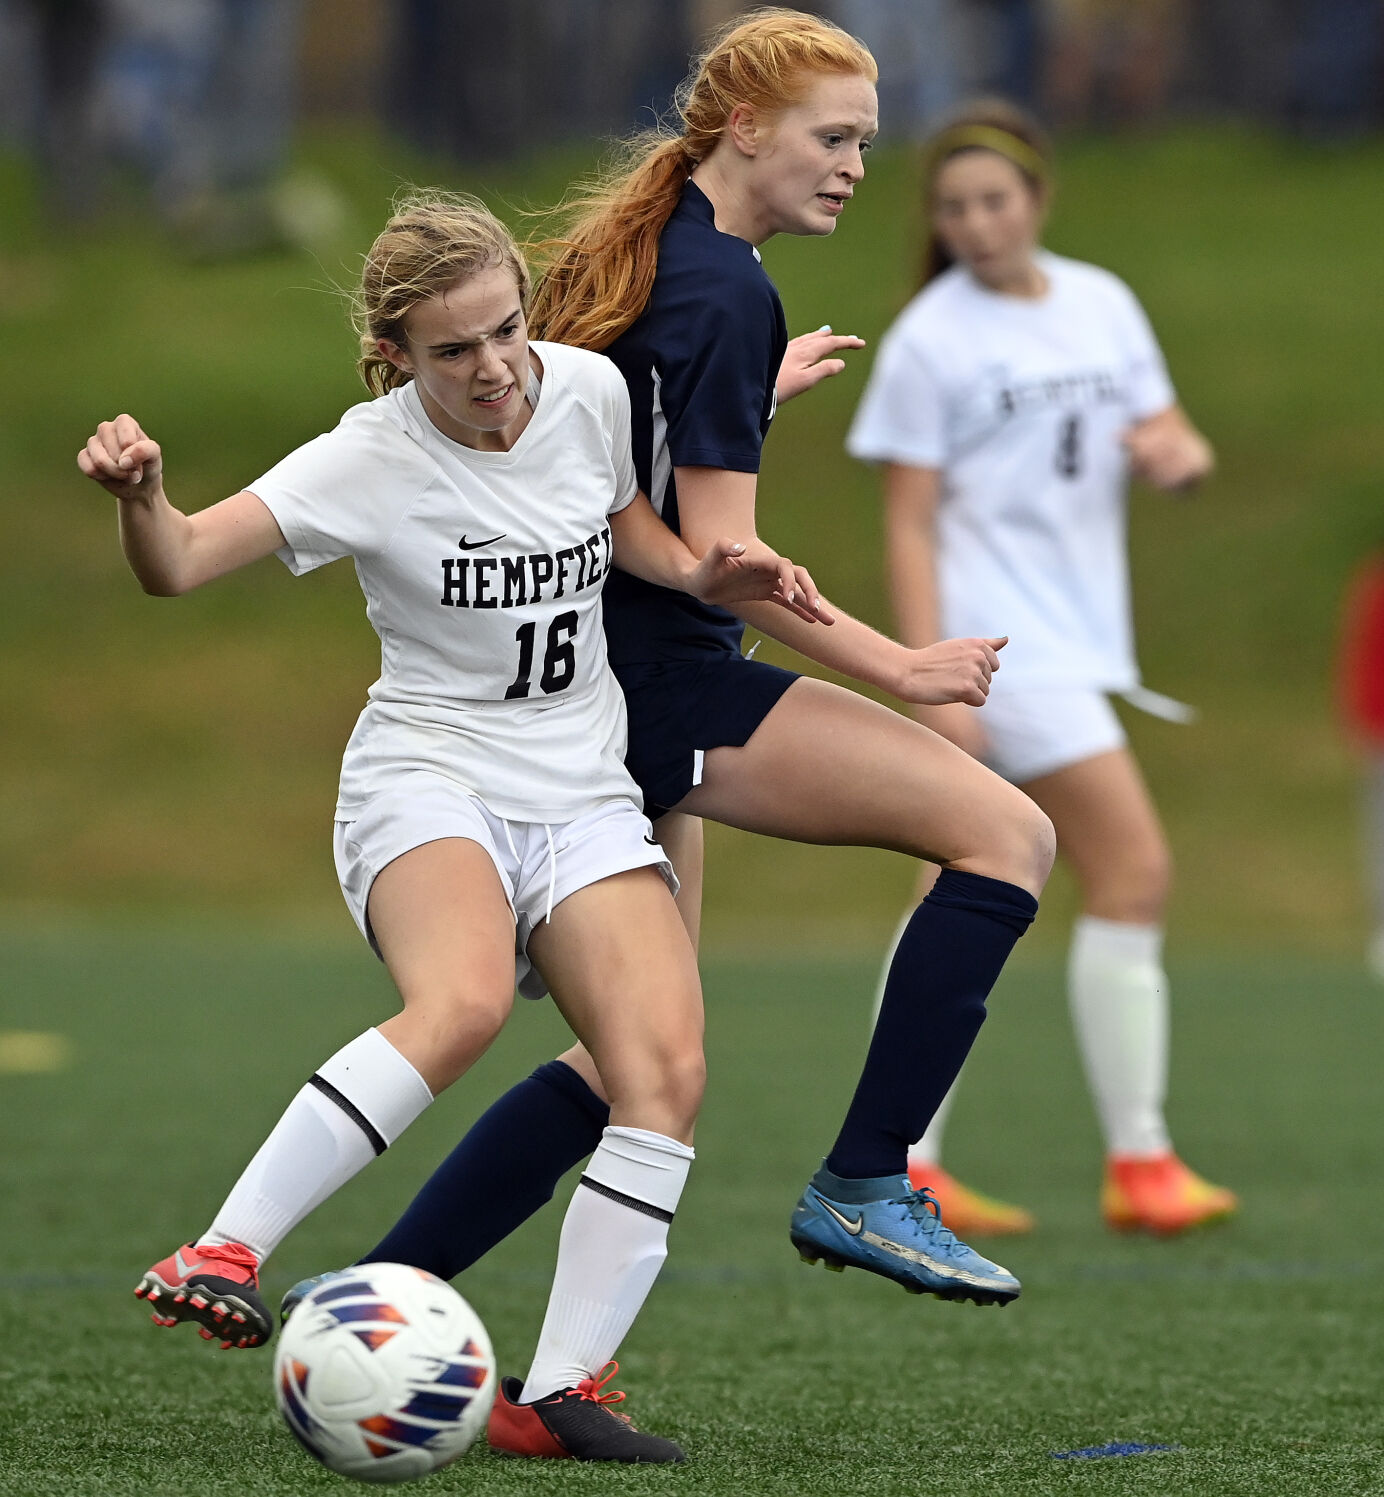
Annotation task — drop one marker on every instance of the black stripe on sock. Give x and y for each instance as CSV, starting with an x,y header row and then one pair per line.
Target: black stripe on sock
x,y
633,1202
378,1142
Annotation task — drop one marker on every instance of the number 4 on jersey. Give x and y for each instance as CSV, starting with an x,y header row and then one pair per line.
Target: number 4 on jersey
x,y
559,659
1069,448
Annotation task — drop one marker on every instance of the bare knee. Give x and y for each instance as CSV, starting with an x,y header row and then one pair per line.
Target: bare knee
x,y
664,1093
1132,888
442,1033
1016,844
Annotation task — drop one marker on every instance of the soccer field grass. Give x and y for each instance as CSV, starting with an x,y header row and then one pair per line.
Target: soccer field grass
x,y
1254,1349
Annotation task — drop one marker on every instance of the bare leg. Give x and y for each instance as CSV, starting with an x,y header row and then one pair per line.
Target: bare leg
x,y
829,766
1110,833
445,931
879,779
683,841
623,972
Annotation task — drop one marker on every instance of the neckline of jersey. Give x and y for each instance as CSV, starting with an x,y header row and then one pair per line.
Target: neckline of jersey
x,y
700,207
476,454
1045,260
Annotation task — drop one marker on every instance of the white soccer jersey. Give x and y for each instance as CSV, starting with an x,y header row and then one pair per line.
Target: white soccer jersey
x,y
1021,405
482,575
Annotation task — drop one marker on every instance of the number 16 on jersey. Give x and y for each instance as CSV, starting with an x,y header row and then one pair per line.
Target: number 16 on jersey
x,y
559,658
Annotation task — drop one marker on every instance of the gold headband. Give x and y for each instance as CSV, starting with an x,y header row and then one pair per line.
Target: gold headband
x,y
987,138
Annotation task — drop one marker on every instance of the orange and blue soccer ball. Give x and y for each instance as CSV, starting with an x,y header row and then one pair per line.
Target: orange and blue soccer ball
x,y
384,1373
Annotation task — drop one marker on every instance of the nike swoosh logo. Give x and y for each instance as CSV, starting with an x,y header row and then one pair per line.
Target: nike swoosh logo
x,y
934,1265
181,1264
466,545
652,841
853,1227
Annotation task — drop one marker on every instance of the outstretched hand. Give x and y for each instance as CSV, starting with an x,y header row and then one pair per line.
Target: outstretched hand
x,y
808,360
953,670
732,572
122,459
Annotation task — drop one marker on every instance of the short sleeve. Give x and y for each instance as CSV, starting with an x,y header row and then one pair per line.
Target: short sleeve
x,y
618,433
343,493
902,414
716,387
1150,387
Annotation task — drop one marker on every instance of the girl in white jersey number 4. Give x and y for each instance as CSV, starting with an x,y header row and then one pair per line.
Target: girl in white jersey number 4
x,y
1009,403
486,828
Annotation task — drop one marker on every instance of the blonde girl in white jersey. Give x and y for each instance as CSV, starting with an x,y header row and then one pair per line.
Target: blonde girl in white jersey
x,y
1009,403
486,828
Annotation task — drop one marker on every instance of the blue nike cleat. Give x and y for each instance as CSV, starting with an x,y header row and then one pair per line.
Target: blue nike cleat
x,y
295,1296
884,1227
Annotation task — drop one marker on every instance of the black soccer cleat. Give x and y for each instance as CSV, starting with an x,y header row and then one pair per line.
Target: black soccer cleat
x,y
575,1424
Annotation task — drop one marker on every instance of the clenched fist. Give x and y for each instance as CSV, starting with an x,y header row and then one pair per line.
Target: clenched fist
x,y
122,459
953,670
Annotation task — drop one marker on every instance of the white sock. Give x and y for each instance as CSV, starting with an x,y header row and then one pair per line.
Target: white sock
x,y
356,1105
614,1241
928,1149
1119,1002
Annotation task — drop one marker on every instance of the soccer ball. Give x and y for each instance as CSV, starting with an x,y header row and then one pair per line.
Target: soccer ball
x,y
384,1373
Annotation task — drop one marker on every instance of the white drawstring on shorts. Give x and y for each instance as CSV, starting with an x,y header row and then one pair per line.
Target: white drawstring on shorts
x,y
552,874
1157,705
552,863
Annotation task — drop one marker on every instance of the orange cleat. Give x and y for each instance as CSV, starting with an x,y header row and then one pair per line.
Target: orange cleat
x,y
573,1424
214,1285
1160,1195
966,1212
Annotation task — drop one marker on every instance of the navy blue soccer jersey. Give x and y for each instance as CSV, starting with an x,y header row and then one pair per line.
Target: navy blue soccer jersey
x,y
700,362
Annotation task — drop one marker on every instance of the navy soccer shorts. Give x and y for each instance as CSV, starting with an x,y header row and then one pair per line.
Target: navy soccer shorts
x,y
678,709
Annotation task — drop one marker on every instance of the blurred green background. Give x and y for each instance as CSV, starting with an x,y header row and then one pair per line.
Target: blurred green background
x,y
176,956
178,758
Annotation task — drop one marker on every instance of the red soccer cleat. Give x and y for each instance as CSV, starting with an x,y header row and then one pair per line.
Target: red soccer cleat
x,y
966,1211
1160,1195
573,1424
213,1284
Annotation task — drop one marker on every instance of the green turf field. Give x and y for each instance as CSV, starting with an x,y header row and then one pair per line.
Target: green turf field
x,y
1254,1349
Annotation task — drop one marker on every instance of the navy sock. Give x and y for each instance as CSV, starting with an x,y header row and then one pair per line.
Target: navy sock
x,y
951,952
505,1168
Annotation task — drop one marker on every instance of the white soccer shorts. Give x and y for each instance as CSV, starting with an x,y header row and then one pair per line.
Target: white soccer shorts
x,y
1034,733
539,864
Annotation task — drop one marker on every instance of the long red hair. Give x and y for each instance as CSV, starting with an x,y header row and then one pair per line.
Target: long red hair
x,y
600,270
